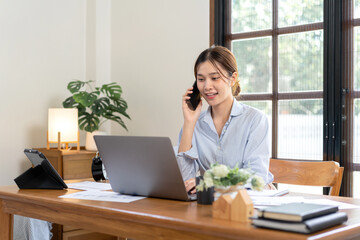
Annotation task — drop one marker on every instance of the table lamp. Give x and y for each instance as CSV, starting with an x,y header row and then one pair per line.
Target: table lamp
x,y
63,127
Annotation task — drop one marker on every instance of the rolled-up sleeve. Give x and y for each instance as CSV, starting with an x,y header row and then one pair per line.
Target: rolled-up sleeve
x,y
187,161
257,150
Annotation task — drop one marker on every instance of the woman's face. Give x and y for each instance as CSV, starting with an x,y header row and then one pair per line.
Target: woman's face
x,y
214,88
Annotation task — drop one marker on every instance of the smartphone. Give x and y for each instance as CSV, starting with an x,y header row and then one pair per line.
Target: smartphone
x,y
195,97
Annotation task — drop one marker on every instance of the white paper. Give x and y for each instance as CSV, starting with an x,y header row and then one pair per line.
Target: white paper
x,y
267,193
272,201
260,202
102,196
88,185
341,205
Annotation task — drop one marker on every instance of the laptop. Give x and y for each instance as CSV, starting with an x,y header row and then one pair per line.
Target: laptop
x,y
144,166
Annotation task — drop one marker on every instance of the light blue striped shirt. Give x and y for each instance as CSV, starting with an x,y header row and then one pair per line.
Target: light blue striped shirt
x,y
244,140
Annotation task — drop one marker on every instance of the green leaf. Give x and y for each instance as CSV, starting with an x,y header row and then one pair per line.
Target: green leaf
x,y
85,99
88,122
71,103
100,105
97,92
119,110
75,86
115,118
112,90
121,103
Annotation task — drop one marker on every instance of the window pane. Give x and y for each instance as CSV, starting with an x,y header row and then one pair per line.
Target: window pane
x,y
254,64
265,107
300,131
356,145
357,9
356,185
301,62
251,15
357,58
300,12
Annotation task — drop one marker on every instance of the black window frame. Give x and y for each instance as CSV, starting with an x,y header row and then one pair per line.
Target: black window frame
x,y
338,94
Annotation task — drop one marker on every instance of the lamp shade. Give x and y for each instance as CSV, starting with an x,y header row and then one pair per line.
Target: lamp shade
x,y
65,121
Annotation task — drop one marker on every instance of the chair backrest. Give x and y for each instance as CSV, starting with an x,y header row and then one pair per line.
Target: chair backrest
x,y
310,173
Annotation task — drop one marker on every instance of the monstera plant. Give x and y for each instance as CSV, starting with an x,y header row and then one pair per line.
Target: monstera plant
x,y
96,105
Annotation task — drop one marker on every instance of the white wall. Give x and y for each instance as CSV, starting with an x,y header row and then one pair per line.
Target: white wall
x,y
154,48
41,50
150,48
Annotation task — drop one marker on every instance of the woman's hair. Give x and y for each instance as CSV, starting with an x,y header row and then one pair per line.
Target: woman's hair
x,y
226,59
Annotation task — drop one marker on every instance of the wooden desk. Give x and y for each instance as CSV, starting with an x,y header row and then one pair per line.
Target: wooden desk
x,y
148,218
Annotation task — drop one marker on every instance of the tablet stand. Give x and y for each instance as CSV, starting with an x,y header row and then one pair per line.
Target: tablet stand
x,y
37,178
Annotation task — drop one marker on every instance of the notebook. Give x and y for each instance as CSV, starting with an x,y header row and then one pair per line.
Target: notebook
x,y
144,166
307,226
296,212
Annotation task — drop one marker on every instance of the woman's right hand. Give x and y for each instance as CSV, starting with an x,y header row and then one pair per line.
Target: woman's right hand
x,y
190,186
190,116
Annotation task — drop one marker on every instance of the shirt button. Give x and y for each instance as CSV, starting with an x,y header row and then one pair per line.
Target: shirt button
x,y
219,147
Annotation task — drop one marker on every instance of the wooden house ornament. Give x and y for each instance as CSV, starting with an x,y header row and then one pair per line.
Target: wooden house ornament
x,y
242,207
221,207
238,209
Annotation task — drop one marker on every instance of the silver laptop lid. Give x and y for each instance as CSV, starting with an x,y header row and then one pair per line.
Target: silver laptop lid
x,y
144,166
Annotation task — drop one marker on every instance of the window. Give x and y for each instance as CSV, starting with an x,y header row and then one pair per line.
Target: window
x,y
299,62
351,79
280,62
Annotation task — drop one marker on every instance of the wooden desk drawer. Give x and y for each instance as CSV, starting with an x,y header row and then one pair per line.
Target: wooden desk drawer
x,y
85,235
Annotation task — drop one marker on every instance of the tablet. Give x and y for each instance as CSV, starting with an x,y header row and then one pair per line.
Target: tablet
x,y
37,158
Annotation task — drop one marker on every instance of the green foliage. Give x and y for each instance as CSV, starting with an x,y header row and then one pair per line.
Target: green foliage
x,y
357,107
105,102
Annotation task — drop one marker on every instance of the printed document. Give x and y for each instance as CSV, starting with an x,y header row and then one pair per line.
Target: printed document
x,y
90,186
102,196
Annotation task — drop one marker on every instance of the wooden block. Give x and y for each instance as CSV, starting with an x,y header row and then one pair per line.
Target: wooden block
x,y
242,207
221,207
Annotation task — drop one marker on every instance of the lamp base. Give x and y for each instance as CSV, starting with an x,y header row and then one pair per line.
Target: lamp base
x,y
59,142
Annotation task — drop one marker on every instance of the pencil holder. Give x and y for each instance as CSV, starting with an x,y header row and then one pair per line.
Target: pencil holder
x,y
204,197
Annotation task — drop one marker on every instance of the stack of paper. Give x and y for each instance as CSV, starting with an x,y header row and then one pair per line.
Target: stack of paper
x,y
96,191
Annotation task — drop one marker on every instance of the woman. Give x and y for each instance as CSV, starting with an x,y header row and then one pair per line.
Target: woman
x,y
228,132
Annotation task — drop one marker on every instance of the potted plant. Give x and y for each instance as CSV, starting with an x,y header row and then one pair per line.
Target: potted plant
x,y
96,105
223,179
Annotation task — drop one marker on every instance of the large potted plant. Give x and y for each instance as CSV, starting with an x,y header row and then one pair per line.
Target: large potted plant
x,y
95,106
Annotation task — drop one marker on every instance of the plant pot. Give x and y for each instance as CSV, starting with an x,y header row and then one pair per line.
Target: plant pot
x,y
204,197
90,143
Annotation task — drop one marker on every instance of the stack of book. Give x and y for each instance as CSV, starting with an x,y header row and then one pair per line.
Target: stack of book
x,y
299,217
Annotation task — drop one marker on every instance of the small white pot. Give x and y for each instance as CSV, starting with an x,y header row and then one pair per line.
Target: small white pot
x,y
90,143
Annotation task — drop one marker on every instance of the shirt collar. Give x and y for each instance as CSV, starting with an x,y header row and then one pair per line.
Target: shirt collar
x,y
236,110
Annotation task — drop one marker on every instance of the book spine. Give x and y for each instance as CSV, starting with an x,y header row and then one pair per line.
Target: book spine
x,y
317,213
325,221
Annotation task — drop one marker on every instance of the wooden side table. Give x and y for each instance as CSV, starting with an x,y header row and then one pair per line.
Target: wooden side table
x,y
72,164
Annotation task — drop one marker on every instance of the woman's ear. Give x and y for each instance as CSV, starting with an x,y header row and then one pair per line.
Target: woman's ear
x,y
233,78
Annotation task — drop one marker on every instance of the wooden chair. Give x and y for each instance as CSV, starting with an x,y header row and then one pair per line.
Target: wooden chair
x,y
310,173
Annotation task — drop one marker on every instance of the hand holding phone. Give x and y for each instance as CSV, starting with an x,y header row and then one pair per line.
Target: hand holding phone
x,y
195,97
